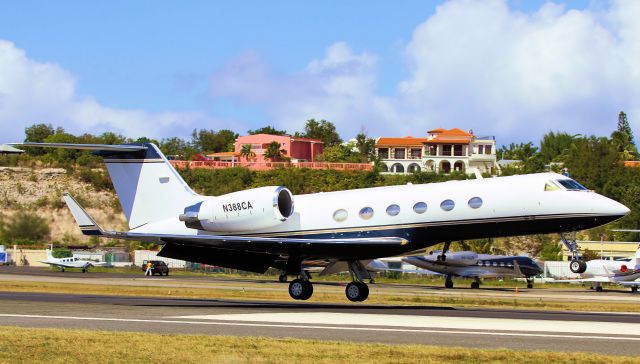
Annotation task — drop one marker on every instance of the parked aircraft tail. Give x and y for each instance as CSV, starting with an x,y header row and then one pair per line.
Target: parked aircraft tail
x,y
148,187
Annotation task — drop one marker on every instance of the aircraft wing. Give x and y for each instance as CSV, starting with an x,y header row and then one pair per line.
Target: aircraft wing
x,y
271,245
630,284
599,279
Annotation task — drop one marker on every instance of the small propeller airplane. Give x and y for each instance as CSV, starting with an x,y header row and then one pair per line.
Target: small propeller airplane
x,y
69,262
259,228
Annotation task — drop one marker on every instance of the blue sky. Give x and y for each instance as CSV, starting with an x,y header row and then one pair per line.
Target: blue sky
x,y
163,68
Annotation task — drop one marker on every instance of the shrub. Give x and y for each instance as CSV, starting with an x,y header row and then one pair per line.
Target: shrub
x,y
24,226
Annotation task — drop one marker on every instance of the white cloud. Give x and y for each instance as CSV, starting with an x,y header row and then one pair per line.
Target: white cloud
x,y
473,64
339,87
34,92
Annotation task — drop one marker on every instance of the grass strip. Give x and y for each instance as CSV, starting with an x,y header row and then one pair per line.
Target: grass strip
x,y
247,293
38,345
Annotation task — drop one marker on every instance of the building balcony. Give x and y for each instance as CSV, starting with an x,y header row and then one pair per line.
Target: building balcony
x,y
483,157
263,166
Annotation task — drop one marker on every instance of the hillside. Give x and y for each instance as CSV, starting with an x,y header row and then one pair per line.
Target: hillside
x,y
39,190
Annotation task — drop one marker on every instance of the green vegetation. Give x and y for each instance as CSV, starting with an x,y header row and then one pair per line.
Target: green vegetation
x,y
39,345
23,228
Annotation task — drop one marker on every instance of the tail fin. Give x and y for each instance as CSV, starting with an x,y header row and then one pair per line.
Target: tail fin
x,y
148,187
84,221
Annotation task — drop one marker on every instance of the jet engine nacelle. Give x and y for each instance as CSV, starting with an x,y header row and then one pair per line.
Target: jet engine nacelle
x,y
462,258
254,209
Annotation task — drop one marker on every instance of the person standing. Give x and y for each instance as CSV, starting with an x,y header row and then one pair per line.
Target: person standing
x,y
149,266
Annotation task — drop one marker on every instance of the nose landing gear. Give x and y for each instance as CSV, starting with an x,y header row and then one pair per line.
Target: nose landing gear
x,y
577,265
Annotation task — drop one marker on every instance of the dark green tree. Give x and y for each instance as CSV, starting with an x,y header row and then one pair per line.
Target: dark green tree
x,y
323,130
623,126
267,130
210,141
554,145
24,226
274,152
37,133
366,147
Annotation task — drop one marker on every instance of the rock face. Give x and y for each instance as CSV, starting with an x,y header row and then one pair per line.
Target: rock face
x,y
40,191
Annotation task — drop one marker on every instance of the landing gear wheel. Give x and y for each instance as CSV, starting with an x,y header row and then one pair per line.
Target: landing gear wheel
x,y
442,258
62,269
357,291
474,285
282,278
84,270
634,289
300,290
578,266
529,285
448,284
599,289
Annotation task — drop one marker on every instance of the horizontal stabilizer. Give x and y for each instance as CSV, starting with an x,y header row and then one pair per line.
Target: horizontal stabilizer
x,y
84,221
95,147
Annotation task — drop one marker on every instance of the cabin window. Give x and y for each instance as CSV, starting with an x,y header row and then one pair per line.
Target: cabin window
x,y
393,210
340,215
571,185
475,202
447,205
420,207
366,213
550,186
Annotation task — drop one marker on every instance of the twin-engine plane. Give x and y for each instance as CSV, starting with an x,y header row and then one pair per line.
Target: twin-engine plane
x,y
473,265
266,227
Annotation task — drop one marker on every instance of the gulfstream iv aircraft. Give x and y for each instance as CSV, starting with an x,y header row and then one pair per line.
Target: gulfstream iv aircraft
x,y
474,265
259,228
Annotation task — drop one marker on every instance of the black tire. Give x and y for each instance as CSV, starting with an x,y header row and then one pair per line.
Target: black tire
x,y
166,273
634,289
578,266
529,285
300,290
448,284
283,278
84,270
308,290
475,285
357,291
599,289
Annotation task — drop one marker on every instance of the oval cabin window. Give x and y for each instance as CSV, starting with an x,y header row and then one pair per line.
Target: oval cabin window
x,y
366,213
340,215
420,208
393,210
447,205
475,202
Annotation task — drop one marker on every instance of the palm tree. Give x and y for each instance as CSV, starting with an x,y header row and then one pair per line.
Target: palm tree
x,y
247,153
274,152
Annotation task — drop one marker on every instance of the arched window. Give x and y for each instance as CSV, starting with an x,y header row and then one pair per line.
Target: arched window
x,y
397,168
393,210
447,205
366,213
413,168
475,202
340,215
420,207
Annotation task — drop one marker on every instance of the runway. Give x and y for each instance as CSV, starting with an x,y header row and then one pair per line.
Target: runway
x,y
607,333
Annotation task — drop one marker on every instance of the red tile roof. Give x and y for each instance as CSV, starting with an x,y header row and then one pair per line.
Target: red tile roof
x,y
407,141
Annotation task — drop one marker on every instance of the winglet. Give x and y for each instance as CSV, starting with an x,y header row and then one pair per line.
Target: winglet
x,y
84,221
516,269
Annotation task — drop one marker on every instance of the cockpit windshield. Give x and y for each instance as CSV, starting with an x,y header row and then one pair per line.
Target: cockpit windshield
x,y
571,185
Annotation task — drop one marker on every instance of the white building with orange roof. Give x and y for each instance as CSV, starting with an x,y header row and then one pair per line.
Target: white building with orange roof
x,y
441,151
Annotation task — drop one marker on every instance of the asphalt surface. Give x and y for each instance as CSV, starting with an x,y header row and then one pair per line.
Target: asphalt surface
x,y
607,333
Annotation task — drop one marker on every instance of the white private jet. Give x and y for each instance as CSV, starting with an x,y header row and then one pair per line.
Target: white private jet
x,y
624,272
259,228
69,262
473,265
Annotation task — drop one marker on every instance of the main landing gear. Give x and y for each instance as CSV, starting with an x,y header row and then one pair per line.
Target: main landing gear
x,y
577,265
443,255
529,282
476,283
448,282
357,290
301,288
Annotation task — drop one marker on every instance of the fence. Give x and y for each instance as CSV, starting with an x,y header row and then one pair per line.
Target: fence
x,y
263,166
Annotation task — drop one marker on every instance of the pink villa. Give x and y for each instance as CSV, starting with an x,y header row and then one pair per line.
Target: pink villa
x,y
302,153
298,149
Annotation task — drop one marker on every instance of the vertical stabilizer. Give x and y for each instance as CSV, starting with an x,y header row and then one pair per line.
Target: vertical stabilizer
x,y
148,187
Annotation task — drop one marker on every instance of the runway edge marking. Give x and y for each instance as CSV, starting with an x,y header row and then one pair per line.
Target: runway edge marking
x,y
109,319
